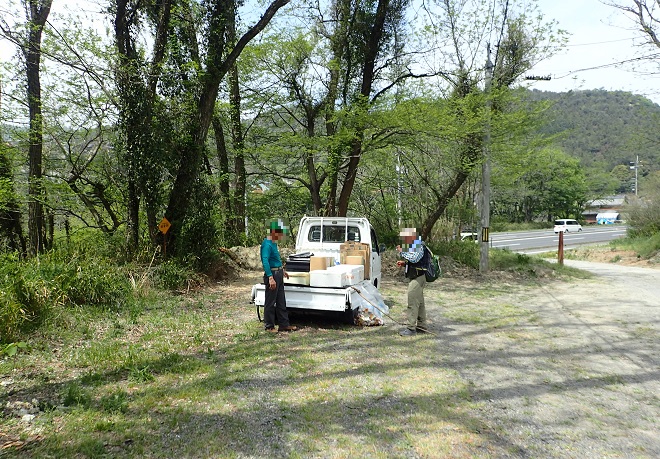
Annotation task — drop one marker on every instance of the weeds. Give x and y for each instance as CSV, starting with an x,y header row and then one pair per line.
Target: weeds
x,y
116,402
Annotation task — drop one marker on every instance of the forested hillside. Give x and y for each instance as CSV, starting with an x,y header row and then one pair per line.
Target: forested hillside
x,y
604,128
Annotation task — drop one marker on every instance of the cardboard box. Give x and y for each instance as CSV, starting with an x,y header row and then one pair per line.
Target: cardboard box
x,y
318,263
366,256
356,249
355,260
297,278
349,245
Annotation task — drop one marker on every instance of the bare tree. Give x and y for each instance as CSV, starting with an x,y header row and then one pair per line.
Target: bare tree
x,y
646,13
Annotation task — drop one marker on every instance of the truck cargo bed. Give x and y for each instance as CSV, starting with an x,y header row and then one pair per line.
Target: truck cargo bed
x,y
314,298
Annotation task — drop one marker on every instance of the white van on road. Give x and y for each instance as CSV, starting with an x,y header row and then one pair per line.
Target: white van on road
x,y
567,225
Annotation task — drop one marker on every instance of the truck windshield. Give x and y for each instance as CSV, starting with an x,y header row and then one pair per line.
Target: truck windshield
x,y
334,233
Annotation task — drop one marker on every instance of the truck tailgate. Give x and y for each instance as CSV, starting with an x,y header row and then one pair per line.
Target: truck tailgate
x,y
303,297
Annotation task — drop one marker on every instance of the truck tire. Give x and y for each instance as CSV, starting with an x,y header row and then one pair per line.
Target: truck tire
x,y
349,316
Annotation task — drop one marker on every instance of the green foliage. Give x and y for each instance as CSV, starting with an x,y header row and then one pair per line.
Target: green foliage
x,y
34,287
644,215
605,129
500,223
649,247
198,237
279,200
116,402
464,252
375,195
11,349
551,185
646,246
22,302
76,395
174,274
505,260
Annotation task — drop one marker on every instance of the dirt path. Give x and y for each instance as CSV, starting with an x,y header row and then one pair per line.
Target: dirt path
x,y
570,370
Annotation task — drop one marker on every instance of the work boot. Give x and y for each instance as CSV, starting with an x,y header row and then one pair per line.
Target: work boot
x,y
289,328
271,330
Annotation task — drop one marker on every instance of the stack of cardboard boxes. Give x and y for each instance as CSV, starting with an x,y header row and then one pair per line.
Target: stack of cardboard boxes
x,y
353,267
356,253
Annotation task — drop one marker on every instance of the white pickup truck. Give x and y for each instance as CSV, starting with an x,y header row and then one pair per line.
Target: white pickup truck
x,y
329,237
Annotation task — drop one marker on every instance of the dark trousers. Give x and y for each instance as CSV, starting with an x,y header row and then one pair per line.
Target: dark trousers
x,y
275,305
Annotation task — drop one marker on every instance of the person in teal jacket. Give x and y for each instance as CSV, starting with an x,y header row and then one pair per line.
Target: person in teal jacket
x,y
275,303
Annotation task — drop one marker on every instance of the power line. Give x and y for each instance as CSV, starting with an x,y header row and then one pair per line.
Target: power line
x,y
601,42
613,64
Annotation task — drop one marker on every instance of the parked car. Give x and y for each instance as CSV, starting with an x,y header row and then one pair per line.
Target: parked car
x,y
566,225
469,236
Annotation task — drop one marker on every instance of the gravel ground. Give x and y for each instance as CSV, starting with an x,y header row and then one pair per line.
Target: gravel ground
x,y
576,376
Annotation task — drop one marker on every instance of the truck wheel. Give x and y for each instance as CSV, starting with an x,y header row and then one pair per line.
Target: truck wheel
x,y
350,316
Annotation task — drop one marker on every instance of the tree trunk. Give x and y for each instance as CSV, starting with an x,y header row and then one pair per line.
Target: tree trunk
x,y
38,12
136,108
218,65
10,215
223,160
240,176
368,73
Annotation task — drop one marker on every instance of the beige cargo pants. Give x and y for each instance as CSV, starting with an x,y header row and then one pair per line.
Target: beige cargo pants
x,y
416,308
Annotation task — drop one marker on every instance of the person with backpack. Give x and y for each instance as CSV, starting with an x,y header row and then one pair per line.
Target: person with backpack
x,y
415,260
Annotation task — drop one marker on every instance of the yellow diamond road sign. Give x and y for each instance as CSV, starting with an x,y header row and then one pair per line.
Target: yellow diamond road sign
x,y
164,225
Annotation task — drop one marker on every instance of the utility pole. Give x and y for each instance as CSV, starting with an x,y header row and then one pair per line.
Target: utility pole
x,y
636,168
399,206
485,172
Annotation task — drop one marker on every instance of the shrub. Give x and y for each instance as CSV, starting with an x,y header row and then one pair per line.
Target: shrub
x,y
174,275
464,252
23,302
644,215
31,288
199,233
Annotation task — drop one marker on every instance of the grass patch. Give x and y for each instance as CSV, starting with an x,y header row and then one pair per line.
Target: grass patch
x,y
645,247
532,266
492,314
195,376
187,379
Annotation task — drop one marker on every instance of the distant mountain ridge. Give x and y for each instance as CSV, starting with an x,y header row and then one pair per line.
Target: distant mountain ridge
x,y
604,128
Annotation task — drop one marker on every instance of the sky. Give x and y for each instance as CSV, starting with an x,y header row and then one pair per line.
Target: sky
x,y
600,36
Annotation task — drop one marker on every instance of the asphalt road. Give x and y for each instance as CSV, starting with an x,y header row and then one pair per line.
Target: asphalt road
x,y
538,241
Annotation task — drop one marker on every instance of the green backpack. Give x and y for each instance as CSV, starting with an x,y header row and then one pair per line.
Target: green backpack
x,y
432,269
